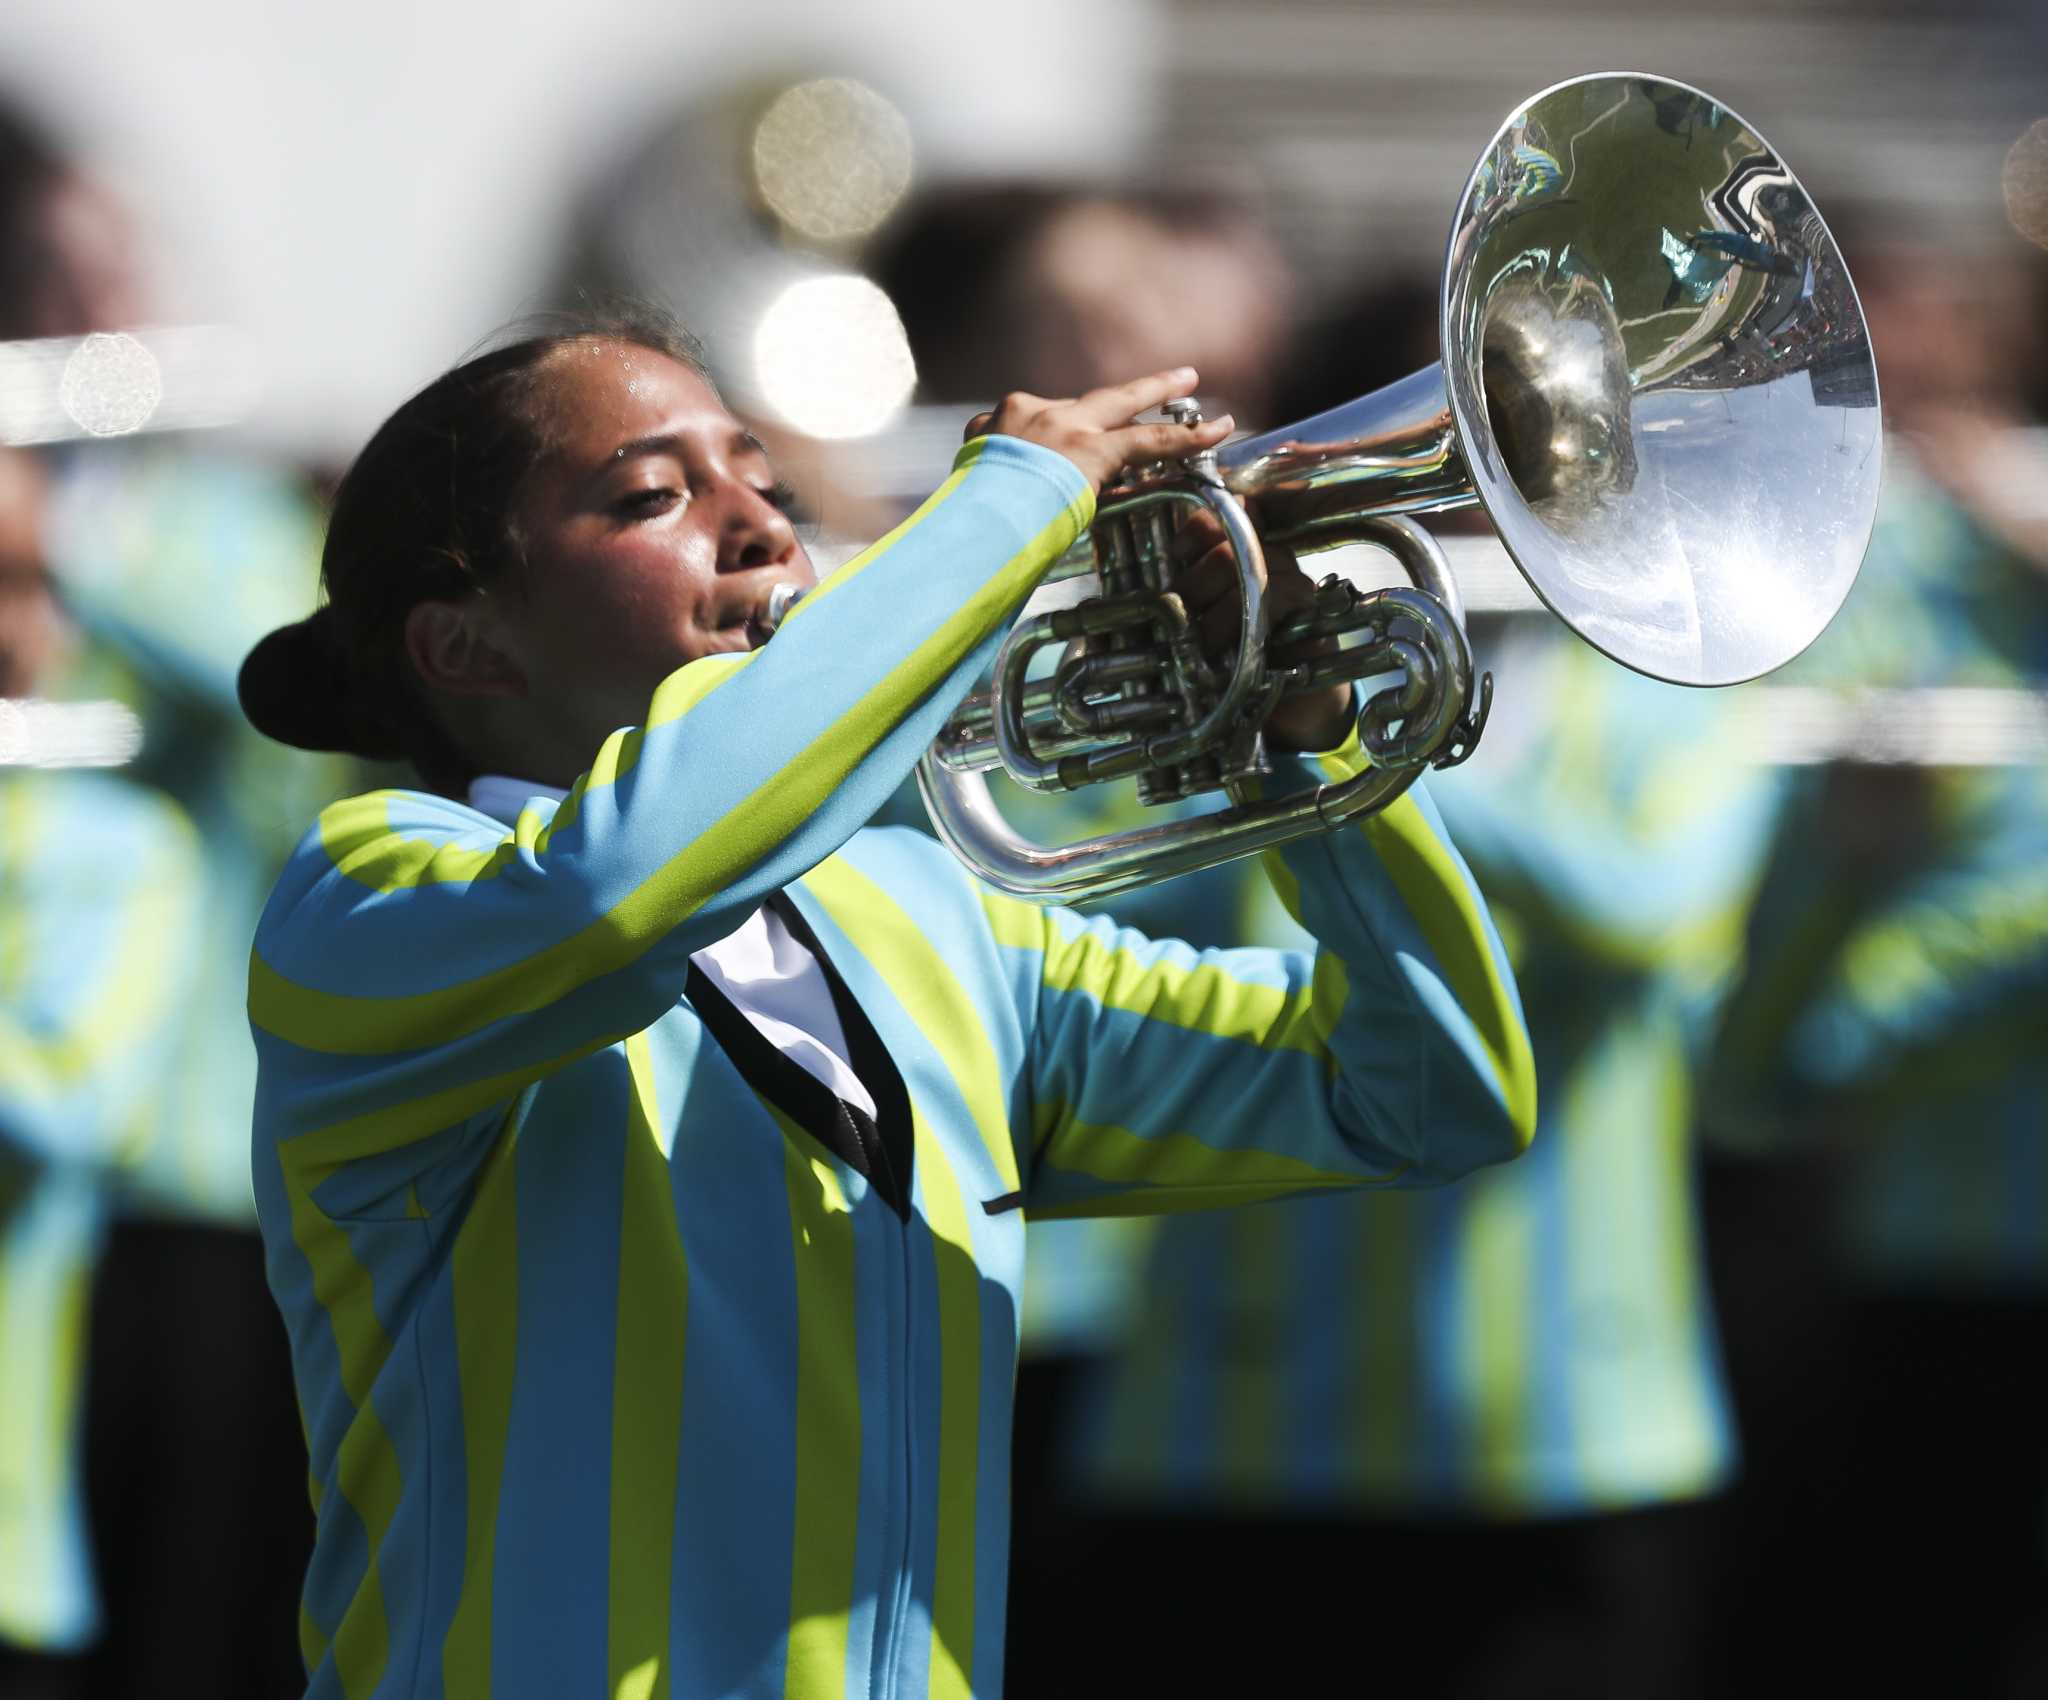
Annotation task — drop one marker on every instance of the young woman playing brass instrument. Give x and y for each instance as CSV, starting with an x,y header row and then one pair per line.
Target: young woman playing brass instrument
x,y
642,1147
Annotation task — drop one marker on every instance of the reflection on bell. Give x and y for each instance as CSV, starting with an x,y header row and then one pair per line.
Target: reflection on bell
x,y
1557,397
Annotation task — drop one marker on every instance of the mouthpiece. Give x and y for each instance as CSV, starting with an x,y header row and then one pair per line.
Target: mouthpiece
x,y
776,609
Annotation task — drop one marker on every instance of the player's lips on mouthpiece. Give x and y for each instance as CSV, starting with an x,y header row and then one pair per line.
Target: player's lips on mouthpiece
x,y
771,610
748,606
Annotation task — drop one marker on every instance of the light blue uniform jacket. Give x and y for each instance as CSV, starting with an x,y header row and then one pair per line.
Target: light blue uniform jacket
x,y
99,905
620,1377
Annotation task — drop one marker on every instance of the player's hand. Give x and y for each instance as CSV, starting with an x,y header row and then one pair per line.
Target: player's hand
x,y
1095,432
1205,575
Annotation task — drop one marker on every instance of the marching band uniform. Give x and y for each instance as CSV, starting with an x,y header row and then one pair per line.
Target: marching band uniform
x,y
1890,1025
1536,1341
1533,1348
174,560
636,1358
174,563
99,903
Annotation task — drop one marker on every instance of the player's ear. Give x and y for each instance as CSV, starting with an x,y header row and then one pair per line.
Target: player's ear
x,y
455,647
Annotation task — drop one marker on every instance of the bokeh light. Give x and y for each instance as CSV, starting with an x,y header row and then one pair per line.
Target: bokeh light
x,y
831,359
22,389
67,734
831,158
111,385
2025,182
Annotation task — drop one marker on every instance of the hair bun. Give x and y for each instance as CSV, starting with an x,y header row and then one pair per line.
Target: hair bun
x,y
297,686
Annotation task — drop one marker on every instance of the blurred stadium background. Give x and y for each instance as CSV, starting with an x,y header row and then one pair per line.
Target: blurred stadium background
x,y
328,208
361,196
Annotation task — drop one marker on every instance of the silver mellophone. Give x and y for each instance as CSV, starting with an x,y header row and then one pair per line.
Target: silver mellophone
x,y
1657,383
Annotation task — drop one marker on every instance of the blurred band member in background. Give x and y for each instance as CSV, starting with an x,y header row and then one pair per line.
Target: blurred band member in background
x,y
1087,280
174,555
643,1150
99,903
1509,1389
67,251
1888,1038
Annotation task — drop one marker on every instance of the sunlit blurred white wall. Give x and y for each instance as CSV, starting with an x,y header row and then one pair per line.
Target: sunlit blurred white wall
x,y
368,189
1359,120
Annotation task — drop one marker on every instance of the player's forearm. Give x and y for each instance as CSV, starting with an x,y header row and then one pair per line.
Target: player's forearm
x,y
1420,1013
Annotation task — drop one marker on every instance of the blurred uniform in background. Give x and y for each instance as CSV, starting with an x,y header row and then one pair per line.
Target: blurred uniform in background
x,y
1399,1403
173,559
99,908
1507,1392
1889,1031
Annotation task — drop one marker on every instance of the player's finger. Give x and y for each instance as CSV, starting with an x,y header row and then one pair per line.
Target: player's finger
x,y
1219,625
1211,579
1199,532
1016,409
1160,442
1117,403
1288,593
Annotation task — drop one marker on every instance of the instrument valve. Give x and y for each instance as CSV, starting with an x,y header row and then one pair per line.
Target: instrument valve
x,y
1185,410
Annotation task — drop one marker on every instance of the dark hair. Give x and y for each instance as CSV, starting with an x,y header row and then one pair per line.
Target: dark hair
x,y
949,263
426,513
1363,340
945,266
30,163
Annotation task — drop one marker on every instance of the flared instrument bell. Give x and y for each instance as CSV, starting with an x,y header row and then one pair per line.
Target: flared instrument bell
x,y
1656,380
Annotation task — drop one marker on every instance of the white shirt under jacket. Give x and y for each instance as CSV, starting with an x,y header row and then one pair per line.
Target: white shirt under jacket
x,y
771,979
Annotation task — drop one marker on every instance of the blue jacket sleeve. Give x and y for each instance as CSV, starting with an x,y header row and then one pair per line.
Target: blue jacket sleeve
x,y
1162,1078
99,901
419,964
1947,980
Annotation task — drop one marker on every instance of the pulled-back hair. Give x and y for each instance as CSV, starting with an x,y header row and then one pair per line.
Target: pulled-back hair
x,y
31,164
428,513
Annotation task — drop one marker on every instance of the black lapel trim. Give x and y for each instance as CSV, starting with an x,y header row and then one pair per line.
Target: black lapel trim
x,y
872,1064
878,1147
